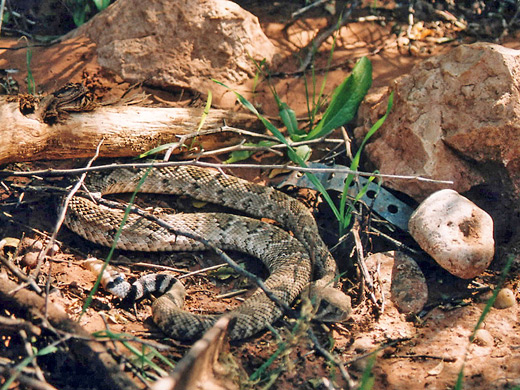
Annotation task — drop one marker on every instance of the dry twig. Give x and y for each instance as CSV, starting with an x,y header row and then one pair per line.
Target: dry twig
x,y
99,168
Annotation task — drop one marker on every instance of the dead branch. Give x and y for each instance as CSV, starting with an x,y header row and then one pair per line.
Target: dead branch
x,y
91,353
127,130
196,162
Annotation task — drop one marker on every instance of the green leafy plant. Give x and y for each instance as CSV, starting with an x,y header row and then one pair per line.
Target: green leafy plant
x,y
345,101
31,84
82,10
101,4
239,155
143,357
346,214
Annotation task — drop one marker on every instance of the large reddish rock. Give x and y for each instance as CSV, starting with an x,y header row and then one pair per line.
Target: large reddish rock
x,y
455,117
179,44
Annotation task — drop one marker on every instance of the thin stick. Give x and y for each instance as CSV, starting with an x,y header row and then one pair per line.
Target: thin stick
x,y
323,35
240,147
217,250
19,273
77,171
332,358
361,261
34,362
302,10
232,294
202,271
380,348
129,263
17,324
414,357
25,380
59,223
399,245
272,148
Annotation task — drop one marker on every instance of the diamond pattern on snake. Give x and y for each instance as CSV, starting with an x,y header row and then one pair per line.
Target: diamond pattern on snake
x,y
296,263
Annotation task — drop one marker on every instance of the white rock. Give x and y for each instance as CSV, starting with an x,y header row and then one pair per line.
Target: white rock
x,y
505,299
455,232
483,338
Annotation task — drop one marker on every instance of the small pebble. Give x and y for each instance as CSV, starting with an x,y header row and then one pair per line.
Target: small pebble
x,y
505,299
361,346
30,259
31,245
55,248
483,338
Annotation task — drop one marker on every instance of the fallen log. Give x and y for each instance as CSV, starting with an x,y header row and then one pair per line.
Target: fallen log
x,y
126,131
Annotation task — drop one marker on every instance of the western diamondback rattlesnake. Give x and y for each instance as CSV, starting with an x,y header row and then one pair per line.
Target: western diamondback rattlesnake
x,y
290,260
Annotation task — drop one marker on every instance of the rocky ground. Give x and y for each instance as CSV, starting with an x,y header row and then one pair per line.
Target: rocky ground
x,y
428,350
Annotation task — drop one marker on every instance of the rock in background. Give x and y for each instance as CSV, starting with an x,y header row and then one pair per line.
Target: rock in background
x,y
179,44
455,117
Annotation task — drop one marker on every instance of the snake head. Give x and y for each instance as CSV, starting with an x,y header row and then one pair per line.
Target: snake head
x,y
331,305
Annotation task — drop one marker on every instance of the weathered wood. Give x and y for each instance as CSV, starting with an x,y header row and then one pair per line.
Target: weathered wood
x,y
126,130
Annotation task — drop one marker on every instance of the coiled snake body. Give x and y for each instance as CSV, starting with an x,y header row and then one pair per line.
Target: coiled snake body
x,y
290,260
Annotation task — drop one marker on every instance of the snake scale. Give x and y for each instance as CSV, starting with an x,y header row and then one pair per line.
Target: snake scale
x,y
292,260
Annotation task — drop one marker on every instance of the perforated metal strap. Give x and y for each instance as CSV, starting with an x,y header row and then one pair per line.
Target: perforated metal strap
x,y
383,202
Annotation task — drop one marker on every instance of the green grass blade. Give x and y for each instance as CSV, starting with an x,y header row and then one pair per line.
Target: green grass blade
x,y
240,155
485,312
88,301
205,113
143,358
290,151
258,73
28,360
260,371
319,99
345,99
460,379
347,216
142,355
101,4
79,15
355,162
289,120
156,150
31,84
367,380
